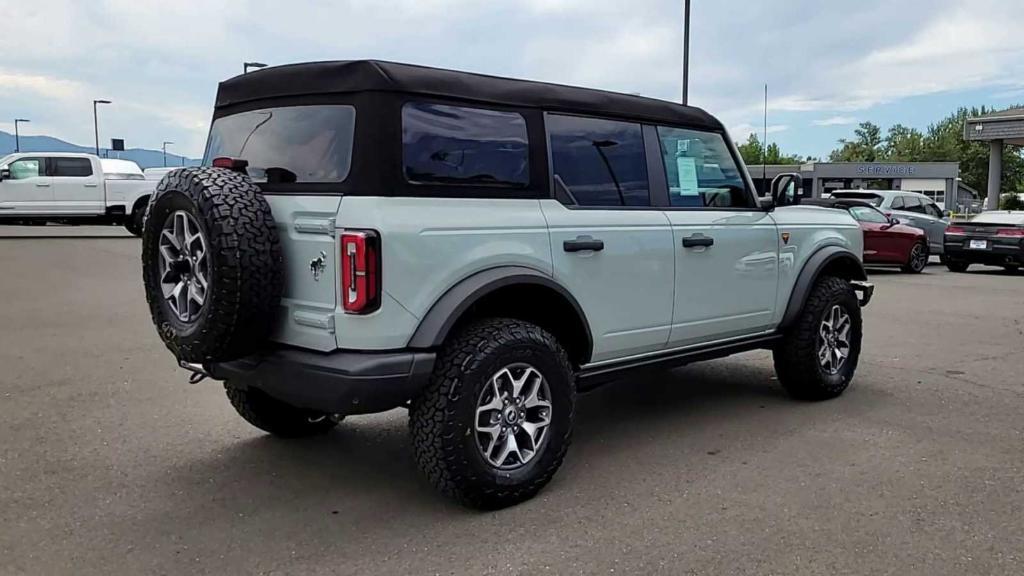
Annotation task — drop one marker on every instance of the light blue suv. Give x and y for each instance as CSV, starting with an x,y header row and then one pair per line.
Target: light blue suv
x,y
911,208
368,235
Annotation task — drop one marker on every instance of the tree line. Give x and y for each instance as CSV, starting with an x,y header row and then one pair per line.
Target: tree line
x,y
941,142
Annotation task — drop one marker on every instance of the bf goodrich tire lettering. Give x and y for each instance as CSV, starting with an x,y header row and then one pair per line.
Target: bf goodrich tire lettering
x,y
244,264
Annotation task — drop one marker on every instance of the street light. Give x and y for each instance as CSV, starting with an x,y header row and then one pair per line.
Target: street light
x,y
686,52
166,142
17,136
247,65
96,122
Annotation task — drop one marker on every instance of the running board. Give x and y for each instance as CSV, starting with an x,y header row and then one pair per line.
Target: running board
x,y
590,378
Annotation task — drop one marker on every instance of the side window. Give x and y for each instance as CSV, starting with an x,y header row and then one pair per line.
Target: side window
x,y
464,146
912,204
897,203
600,162
27,168
933,210
72,167
700,170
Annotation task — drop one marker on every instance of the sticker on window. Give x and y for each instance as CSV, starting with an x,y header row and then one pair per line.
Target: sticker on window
x,y
687,170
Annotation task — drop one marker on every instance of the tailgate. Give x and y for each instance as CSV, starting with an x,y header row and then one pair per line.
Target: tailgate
x,y
306,227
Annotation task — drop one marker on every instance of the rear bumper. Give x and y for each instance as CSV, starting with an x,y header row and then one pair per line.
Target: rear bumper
x,y
341,382
995,254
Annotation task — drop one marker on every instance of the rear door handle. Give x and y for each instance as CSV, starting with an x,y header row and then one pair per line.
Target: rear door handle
x,y
582,243
698,240
42,185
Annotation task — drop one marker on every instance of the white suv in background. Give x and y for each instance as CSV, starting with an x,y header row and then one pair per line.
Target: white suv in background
x,y
368,235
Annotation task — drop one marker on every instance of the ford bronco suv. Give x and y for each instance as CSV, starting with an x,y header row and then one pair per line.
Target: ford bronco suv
x,y
368,235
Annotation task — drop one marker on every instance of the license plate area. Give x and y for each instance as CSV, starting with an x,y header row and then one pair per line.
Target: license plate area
x,y
978,245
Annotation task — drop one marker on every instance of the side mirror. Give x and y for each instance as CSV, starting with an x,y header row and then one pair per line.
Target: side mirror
x,y
893,221
947,214
5,174
785,189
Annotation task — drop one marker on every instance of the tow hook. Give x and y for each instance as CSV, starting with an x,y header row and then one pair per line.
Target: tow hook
x,y
198,372
864,291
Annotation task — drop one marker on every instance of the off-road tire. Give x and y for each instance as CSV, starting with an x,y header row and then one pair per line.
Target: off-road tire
x,y
245,268
957,265
276,417
913,266
441,418
134,222
796,358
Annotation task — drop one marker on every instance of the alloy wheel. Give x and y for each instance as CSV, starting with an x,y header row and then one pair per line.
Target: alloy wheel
x,y
512,416
834,339
183,266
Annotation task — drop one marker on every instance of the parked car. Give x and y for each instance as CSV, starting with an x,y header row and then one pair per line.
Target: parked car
x,y
40,187
912,209
479,249
887,241
994,238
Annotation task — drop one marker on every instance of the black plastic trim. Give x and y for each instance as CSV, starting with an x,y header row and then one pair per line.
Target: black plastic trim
x,y
589,378
809,275
342,382
434,327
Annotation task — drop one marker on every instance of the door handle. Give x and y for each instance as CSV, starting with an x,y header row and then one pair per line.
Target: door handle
x,y
42,185
93,185
698,240
582,243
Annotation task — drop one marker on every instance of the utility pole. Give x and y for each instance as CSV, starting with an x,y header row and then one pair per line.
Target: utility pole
x,y
96,122
686,52
17,136
166,142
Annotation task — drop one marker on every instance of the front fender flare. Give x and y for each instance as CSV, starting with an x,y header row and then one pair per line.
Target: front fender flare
x,y
810,273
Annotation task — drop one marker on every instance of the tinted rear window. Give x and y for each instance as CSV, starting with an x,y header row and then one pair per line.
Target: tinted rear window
x,y
600,162
874,199
301,144
469,146
72,167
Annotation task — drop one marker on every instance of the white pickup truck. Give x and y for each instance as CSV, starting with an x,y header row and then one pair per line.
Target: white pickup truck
x,y
40,187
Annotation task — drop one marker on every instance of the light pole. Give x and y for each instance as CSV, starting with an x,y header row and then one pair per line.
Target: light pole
x,y
96,122
247,65
17,136
166,142
686,52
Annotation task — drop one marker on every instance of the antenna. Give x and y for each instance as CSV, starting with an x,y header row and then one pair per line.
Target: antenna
x,y
764,147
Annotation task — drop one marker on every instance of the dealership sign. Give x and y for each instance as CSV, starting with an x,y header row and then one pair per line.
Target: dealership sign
x,y
885,170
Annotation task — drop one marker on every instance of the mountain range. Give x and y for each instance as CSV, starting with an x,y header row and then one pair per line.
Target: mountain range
x,y
141,156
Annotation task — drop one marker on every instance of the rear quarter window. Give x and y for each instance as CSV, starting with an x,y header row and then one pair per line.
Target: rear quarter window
x,y
296,144
457,145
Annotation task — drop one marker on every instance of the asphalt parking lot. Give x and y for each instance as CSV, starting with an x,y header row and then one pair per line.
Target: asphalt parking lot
x,y
110,463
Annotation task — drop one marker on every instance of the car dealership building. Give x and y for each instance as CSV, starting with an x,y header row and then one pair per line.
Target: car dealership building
x,y
937,180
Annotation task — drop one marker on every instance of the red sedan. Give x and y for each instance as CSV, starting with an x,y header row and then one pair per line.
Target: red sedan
x,y
886,241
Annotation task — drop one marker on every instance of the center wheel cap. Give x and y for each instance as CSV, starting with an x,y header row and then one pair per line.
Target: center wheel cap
x,y
511,416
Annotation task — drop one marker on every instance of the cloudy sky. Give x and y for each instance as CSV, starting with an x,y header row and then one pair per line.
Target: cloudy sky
x,y
828,65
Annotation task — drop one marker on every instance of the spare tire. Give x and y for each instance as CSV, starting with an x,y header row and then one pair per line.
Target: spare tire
x,y
211,264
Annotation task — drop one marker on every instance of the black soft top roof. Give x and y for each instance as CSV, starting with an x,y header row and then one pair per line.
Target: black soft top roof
x,y
339,77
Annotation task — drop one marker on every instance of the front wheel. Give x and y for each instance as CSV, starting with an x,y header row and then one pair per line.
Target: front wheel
x,y
918,259
492,427
819,355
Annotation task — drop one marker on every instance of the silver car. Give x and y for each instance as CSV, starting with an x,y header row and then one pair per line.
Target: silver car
x,y
912,208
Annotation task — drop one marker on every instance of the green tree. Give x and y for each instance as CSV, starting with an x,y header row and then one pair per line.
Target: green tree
x,y
903,144
753,152
865,147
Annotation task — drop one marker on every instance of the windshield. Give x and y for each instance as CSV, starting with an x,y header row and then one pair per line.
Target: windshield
x,y
297,144
873,199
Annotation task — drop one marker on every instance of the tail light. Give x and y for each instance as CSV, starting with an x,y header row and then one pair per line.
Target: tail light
x,y
236,164
360,271
955,230
1010,232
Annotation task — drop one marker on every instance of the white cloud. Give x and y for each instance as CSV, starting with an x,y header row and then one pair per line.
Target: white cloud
x,y
835,121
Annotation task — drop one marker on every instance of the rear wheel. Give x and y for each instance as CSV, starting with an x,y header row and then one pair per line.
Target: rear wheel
x,y
492,427
956,265
918,259
277,417
133,223
819,355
